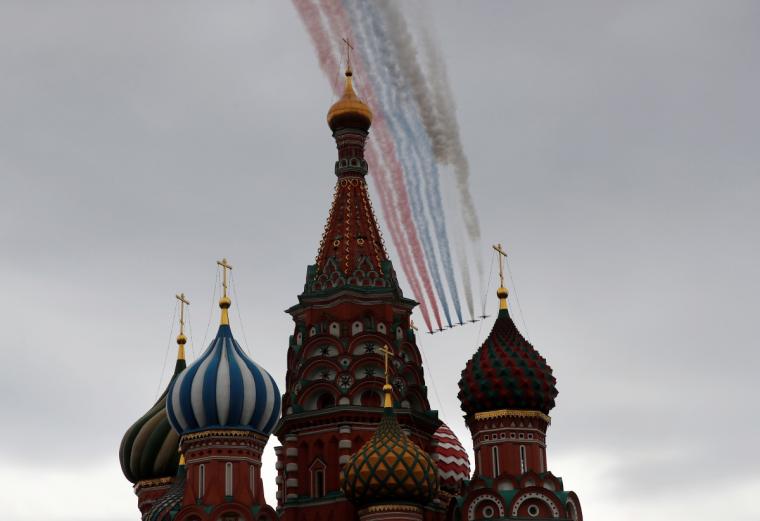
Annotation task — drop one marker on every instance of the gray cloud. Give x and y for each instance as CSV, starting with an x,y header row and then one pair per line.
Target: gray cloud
x,y
612,151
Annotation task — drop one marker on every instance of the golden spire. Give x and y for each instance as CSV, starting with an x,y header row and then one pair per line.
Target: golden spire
x,y
181,338
181,459
225,301
502,292
387,388
349,111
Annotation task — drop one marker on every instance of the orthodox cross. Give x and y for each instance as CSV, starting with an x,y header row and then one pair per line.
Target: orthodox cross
x,y
386,351
225,266
349,48
502,256
182,303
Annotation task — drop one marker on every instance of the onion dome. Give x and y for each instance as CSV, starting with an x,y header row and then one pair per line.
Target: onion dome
x,y
389,467
167,506
451,459
349,111
149,447
506,372
224,388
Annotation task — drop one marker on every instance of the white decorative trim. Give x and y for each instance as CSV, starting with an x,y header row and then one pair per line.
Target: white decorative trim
x,y
485,497
535,495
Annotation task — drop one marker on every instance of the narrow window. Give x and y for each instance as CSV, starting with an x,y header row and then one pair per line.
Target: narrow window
x,y
480,463
252,479
201,480
228,479
523,459
540,460
319,483
495,456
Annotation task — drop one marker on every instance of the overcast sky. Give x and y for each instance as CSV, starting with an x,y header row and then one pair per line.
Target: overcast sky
x,y
614,151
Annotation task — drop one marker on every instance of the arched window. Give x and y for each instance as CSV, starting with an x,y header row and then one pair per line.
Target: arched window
x,y
540,460
381,328
335,329
228,479
523,459
370,399
319,483
357,327
495,457
318,478
201,480
252,479
325,400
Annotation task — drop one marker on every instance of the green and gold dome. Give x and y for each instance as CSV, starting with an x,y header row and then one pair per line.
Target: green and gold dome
x,y
389,467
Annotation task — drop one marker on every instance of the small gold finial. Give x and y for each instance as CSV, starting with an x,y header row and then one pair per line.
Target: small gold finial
x,y
387,388
181,459
181,338
502,292
225,301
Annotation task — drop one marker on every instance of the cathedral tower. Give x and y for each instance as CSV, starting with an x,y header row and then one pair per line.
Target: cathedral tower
x,y
507,391
350,307
224,406
149,449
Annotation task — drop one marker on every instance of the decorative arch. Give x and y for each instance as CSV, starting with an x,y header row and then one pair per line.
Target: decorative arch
x,y
544,501
322,347
368,384
318,478
314,370
358,345
230,511
370,368
310,398
479,507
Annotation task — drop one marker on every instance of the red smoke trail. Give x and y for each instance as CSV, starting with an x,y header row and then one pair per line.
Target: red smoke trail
x,y
374,156
311,18
337,17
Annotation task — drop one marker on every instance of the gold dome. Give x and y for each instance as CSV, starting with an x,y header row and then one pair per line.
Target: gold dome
x,y
389,467
349,111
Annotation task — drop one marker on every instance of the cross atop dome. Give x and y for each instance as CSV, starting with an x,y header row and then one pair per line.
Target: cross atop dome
x,y
502,292
181,338
225,301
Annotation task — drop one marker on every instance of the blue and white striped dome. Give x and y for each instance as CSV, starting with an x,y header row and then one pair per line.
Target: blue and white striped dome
x,y
223,389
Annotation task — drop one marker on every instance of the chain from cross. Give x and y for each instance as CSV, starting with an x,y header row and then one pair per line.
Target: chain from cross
x,y
386,351
225,266
502,256
182,303
349,48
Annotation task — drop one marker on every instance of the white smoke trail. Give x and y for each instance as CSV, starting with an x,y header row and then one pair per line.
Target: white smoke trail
x,y
437,110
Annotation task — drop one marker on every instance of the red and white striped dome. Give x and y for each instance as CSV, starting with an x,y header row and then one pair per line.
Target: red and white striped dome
x,y
451,459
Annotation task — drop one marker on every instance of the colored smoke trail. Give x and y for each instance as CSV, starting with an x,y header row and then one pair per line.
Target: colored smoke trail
x,y
422,160
378,149
437,115
447,128
382,75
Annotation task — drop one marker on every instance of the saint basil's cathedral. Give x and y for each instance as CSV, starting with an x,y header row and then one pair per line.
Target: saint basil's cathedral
x,y
357,437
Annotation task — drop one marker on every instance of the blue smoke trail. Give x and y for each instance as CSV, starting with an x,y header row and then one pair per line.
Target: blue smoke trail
x,y
423,161
380,70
